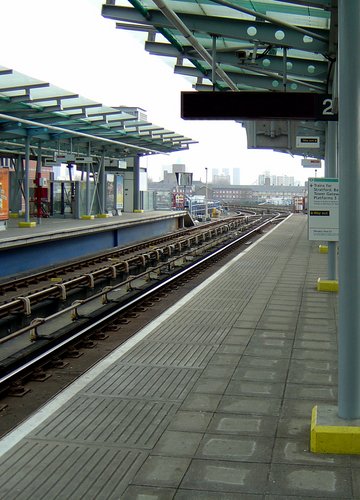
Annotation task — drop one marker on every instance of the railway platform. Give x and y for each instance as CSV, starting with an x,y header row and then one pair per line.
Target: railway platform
x,y
212,400
59,239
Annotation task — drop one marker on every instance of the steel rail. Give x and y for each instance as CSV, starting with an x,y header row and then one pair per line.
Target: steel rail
x,y
5,379
79,280
61,289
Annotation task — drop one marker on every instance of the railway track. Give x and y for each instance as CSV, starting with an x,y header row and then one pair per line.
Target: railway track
x,y
90,319
113,266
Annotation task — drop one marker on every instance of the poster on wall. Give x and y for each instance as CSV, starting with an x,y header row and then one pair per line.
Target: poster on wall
x,y
4,193
109,192
119,200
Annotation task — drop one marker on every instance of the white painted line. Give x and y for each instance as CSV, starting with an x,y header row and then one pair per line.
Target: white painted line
x,y
30,424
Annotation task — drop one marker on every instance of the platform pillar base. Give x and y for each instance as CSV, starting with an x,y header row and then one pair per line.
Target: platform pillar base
x,y
102,216
327,285
27,224
331,434
136,211
88,217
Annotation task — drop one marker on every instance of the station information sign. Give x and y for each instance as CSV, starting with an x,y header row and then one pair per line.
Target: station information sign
x,y
323,209
311,163
248,105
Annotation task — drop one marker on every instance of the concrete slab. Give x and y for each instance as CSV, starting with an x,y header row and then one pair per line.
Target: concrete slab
x,y
162,471
224,360
260,374
177,443
201,402
278,364
259,425
265,340
148,493
190,421
267,352
293,408
273,334
314,392
314,345
310,481
236,448
297,375
293,452
294,427
218,371
316,354
226,476
231,349
211,386
242,340
249,405
257,389
210,495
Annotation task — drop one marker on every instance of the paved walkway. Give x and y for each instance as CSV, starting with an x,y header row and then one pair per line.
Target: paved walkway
x,y
210,401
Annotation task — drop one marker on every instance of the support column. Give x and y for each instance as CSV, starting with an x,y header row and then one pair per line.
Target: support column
x,y
88,204
331,171
26,193
136,186
349,234
102,175
87,194
336,429
26,179
39,211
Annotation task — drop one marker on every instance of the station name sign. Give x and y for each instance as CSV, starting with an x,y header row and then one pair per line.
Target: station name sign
x,y
257,106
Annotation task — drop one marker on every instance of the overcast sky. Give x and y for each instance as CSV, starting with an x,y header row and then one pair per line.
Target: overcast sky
x,y
69,44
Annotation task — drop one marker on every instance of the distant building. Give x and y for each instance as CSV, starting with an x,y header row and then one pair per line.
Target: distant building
x,y
236,176
225,171
276,180
178,167
214,173
221,180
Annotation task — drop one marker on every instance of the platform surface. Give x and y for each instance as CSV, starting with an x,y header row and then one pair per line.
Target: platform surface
x,y
65,226
212,400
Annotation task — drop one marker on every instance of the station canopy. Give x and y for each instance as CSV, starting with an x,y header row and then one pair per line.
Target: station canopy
x,y
244,45
60,120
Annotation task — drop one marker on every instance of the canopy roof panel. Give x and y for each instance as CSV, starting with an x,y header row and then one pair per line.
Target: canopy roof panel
x,y
239,45
61,119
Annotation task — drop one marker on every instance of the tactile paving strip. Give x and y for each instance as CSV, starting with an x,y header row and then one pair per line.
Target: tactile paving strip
x,y
111,421
149,382
67,471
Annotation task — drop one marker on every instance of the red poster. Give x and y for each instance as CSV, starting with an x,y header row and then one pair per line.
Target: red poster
x,y
4,193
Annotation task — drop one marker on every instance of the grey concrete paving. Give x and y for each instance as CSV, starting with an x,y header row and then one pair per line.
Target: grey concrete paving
x,y
215,403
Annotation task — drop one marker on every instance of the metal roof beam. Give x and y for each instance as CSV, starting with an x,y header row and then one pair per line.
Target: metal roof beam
x,y
272,20
231,28
176,21
68,132
317,4
26,87
268,83
295,65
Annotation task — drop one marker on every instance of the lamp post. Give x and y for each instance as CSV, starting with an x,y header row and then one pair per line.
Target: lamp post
x,y
206,193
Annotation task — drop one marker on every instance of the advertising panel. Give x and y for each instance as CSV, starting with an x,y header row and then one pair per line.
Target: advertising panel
x,y
119,200
323,210
4,193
